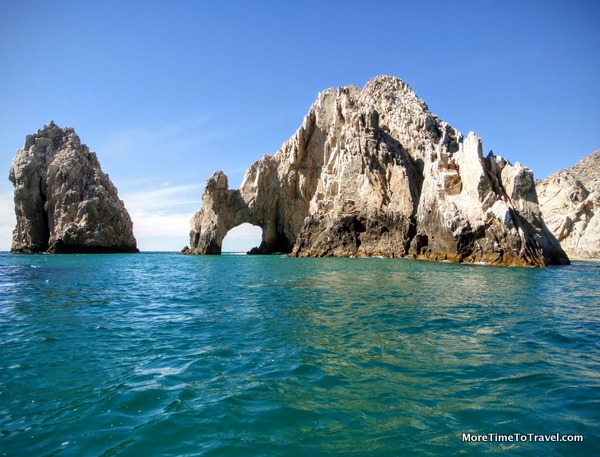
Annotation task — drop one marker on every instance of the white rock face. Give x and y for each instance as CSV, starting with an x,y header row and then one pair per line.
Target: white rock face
x,y
64,203
372,172
570,202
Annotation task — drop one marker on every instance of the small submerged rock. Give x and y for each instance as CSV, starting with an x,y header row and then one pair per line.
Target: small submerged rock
x,y
64,203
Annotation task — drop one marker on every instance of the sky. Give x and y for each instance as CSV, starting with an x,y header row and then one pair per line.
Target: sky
x,y
167,92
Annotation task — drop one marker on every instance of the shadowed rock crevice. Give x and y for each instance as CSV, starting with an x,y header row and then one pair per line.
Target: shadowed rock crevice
x,y
372,172
64,203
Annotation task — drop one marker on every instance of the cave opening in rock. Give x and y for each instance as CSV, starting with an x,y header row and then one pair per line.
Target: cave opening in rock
x,y
242,238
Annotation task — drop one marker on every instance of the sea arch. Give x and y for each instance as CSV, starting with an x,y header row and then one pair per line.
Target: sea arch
x,y
224,208
245,237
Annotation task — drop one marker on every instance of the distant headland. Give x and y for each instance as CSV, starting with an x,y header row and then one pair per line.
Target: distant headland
x,y
570,203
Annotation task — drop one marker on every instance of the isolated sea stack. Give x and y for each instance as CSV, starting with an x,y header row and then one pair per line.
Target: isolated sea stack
x,y
372,172
64,203
570,204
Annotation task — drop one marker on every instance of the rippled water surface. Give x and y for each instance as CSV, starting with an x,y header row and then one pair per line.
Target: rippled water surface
x,y
161,354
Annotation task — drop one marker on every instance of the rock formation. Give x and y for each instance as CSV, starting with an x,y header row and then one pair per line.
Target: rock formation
x,y
64,203
570,204
372,172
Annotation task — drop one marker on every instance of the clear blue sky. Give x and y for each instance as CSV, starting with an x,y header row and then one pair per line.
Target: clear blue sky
x,y
166,92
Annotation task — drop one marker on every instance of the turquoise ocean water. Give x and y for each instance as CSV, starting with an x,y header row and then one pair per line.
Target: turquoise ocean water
x,y
161,354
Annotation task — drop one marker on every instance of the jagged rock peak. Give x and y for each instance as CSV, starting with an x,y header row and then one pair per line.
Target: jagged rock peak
x,y
570,203
372,172
64,203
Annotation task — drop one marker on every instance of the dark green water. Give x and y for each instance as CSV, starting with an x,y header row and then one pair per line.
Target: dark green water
x,y
160,354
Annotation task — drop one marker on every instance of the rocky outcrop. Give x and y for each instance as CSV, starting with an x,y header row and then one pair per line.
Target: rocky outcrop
x,y
570,203
64,203
372,172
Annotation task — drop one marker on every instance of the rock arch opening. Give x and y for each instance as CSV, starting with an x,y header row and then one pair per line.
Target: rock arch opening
x,y
242,238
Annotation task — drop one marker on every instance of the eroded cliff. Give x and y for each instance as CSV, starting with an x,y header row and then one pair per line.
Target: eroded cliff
x,y
372,172
64,203
570,203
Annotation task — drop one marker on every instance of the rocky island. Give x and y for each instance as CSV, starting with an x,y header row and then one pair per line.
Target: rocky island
x,y
570,204
64,203
373,172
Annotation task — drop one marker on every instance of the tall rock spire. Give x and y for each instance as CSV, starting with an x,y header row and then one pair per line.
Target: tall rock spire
x,y
64,203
